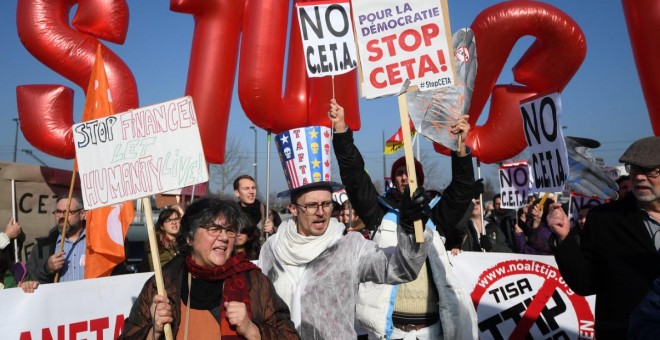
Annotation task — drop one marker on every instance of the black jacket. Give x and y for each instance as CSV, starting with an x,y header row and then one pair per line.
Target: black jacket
x,y
615,259
364,198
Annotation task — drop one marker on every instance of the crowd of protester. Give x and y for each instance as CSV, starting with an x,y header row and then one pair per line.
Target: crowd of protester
x,y
262,277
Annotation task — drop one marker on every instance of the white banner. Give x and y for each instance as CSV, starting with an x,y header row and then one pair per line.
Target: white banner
x,y
514,185
399,40
88,309
517,295
327,36
549,160
139,153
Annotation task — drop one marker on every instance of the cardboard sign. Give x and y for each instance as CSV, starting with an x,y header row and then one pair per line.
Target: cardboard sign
x,y
578,202
140,152
399,40
518,296
549,160
514,185
327,35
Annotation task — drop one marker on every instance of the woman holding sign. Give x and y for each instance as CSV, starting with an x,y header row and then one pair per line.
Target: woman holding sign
x,y
209,292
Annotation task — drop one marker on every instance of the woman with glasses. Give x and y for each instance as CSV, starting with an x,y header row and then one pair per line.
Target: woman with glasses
x,y
209,292
167,228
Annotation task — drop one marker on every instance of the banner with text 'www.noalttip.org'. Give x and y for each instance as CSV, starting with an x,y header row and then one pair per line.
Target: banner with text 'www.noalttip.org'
x,y
139,153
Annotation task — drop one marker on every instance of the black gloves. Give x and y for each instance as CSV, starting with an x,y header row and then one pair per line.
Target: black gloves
x,y
412,209
477,188
485,243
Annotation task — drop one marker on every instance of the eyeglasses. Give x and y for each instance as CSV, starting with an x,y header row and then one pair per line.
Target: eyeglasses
x,y
216,229
171,220
312,208
62,212
651,173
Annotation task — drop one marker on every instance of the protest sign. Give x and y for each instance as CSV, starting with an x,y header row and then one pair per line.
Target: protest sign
x,y
578,202
518,296
433,112
549,160
36,190
140,152
87,309
514,185
327,35
399,40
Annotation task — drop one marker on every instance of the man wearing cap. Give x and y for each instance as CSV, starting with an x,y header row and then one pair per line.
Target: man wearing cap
x,y
315,269
434,306
617,257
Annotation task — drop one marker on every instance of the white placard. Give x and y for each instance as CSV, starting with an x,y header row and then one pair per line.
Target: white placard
x,y
514,185
399,40
327,36
548,158
140,152
524,294
578,202
87,309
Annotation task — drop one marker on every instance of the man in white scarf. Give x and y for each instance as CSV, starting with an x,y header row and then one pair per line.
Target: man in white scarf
x,y
316,271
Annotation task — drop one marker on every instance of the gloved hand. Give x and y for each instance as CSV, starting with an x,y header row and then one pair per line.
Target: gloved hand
x,y
413,208
485,243
477,188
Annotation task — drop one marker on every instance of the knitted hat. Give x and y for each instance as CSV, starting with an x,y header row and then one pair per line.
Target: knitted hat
x,y
419,170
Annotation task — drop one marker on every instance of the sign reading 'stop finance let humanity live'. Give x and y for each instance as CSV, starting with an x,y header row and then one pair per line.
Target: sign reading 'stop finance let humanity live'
x,y
140,152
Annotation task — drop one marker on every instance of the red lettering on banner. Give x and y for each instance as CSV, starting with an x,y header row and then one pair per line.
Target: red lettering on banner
x,y
85,328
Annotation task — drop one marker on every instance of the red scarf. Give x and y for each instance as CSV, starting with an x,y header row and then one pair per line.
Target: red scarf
x,y
235,286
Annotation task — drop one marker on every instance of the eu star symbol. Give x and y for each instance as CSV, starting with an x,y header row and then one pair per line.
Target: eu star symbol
x,y
313,133
316,163
284,139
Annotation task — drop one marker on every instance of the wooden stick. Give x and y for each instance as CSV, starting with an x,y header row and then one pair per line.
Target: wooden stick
x,y
410,160
155,257
14,216
66,218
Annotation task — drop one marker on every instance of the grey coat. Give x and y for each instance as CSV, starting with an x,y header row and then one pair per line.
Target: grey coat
x,y
326,293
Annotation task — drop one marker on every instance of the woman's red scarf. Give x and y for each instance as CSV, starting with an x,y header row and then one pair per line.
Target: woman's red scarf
x,y
235,286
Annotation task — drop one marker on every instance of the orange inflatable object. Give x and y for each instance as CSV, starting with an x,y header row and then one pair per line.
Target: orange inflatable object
x,y
46,111
548,65
643,20
260,26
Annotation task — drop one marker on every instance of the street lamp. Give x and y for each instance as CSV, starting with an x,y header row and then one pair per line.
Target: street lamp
x,y
255,153
15,139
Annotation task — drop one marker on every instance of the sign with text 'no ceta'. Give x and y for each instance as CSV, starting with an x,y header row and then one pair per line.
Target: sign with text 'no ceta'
x,y
327,36
139,153
548,160
514,185
399,40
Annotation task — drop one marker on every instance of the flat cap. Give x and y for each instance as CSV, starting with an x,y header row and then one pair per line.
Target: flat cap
x,y
644,153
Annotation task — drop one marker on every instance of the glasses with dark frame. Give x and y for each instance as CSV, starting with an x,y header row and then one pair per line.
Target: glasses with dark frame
x,y
651,173
170,220
62,212
312,208
216,229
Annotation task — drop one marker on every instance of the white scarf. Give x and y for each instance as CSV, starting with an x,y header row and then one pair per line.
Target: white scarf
x,y
295,249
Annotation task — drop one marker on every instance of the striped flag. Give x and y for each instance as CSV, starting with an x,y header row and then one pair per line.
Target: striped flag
x,y
107,226
395,143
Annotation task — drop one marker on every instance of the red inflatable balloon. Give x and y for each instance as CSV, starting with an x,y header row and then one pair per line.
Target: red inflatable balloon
x,y
643,20
546,66
70,53
262,26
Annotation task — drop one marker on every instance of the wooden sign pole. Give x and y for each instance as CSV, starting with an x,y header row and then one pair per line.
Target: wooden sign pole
x,y
410,158
155,257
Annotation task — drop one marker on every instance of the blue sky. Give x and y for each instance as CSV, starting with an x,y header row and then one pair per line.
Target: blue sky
x,y
603,101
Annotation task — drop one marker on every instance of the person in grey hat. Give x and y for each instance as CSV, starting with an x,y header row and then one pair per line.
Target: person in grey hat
x,y
618,256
